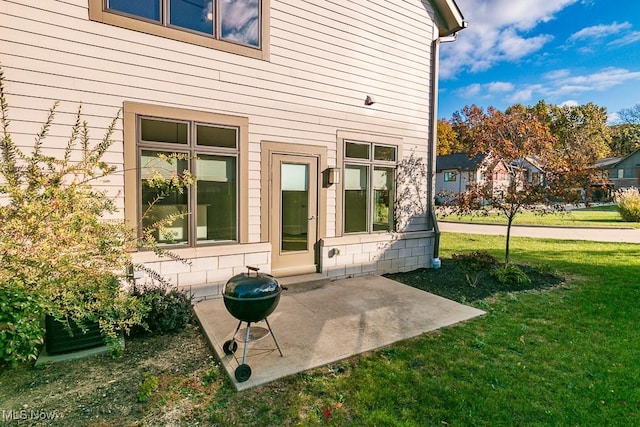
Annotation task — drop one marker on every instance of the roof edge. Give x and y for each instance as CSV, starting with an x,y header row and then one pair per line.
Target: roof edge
x,y
449,17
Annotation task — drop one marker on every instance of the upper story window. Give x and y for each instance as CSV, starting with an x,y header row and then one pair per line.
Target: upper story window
x,y
237,26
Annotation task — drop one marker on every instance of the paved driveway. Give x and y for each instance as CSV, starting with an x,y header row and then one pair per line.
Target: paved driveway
x,y
620,235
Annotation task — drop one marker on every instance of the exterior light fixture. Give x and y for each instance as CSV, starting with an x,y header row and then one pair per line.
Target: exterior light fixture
x,y
334,176
369,100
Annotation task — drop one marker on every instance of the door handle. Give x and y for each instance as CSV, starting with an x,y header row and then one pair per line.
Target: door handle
x,y
312,217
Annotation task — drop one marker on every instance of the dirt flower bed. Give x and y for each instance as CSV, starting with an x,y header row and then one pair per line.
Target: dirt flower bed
x,y
105,391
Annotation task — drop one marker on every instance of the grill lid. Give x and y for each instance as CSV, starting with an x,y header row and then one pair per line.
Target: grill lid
x,y
251,286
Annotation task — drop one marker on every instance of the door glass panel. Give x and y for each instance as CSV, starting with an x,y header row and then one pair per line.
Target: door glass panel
x,y
295,207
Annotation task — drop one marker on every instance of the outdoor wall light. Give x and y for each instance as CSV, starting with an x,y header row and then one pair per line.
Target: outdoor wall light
x,y
369,100
334,176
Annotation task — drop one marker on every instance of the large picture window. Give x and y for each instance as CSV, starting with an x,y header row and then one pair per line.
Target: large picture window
x,y
238,26
205,213
369,187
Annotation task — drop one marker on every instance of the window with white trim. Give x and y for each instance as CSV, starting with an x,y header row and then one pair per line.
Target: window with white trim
x,y
450,176
369,187
206,213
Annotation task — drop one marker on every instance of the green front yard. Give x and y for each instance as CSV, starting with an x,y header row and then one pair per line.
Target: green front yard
x,y
598,216
566,355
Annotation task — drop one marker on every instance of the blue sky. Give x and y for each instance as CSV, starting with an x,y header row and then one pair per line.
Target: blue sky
x,y
567,52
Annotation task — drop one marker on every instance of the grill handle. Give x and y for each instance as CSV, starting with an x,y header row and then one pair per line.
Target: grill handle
x,y
251,268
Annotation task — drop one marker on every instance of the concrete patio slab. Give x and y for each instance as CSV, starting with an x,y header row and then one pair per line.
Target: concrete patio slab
x,y
324,325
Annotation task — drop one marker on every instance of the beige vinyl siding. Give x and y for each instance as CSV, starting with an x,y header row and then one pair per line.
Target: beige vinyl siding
x,y
325,58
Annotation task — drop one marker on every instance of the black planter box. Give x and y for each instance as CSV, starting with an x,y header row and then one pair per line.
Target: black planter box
x,y
59,341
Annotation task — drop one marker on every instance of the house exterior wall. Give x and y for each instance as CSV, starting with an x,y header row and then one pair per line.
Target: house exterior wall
x,y
626,173
451,187
323,60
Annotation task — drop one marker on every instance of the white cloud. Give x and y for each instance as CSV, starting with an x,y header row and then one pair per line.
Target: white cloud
x,y
562,84
599,31
557,74
613,118
628,39
570,103
497,32
499,87
486,90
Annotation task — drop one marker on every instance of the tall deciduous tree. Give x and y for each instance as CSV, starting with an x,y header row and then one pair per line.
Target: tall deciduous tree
x,y
625,139
630,115
448,142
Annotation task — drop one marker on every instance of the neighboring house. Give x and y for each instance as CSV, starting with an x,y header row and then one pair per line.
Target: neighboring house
x,y
533,172
620,172
296,117
456,173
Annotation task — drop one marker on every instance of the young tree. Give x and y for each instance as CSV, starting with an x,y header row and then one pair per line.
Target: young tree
x,y
510,141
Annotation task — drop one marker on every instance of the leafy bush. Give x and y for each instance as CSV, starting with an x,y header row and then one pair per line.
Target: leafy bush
x,y
628,201
170,309
58,255
511,274
476,261
21,328
147,387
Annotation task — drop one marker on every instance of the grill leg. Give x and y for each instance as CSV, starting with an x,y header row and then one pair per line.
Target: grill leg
x,y
274,337
246,341
237,329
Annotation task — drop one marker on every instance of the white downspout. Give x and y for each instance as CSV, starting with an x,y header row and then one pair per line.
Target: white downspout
x,y
435,61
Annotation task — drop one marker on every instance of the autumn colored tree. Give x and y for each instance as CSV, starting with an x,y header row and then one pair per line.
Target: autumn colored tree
x,y
448,142
625,139
510,141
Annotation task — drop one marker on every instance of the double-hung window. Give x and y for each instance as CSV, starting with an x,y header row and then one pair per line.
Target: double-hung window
x,y
369,187
205,213
236,26
450,176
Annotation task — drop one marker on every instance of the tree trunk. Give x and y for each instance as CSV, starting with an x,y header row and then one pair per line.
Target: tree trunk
x,y
506,252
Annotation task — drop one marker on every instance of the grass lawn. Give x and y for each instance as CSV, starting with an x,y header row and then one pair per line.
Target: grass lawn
x,y
597,216
566,355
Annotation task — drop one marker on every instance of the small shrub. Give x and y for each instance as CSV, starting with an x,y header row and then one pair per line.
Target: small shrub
x,y
628,201
21,328
147,386
511,274
476,261
169,309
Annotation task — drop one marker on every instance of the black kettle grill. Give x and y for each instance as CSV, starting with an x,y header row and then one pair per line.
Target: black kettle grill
x,y
250,298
